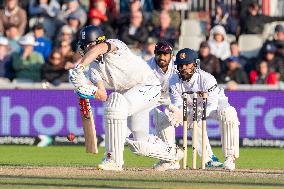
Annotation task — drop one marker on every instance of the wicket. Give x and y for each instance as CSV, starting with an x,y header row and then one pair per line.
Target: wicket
x,y
204,96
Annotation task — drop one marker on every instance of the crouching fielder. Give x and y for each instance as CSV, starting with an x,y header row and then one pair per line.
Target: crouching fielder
x,y
163,66
191,78
136,90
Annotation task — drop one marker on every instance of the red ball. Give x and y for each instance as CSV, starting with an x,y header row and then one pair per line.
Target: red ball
x,y
71,137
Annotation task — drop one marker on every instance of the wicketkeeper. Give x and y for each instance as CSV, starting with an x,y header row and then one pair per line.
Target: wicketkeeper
x,y
136,91
163,66
191,78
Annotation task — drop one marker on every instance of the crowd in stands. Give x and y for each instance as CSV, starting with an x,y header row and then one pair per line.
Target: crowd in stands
x,y
38,37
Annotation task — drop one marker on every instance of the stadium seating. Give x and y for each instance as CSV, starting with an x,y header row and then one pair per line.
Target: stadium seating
x,y
268,30
192,42
250,44
192,27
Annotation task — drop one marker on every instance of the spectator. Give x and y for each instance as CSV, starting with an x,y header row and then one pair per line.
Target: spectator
x,y
253,22
209,62
223,18
234,72
165,31
45,8
244,62
27,64
13,35
65,34
44,11
6,70
72,6
13,14
73,20
277,41
280,51
148,51
97,18
110,7
124,17
103,7
275,64
145,6
42,44
135,34
68,54
219,46
166,6
55,71
262,75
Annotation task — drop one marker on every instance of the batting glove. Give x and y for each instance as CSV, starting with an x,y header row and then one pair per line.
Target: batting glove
x,y
87,91
77,76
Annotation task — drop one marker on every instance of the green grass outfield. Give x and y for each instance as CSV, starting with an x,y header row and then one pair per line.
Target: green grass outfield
x,y
71,167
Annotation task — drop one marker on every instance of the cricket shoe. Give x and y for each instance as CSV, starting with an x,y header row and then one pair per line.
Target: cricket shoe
x,y
166,165
230,163
214,163
109,165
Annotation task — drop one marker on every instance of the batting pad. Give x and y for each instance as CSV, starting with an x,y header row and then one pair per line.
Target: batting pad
x,y
154,147
116,127
229,131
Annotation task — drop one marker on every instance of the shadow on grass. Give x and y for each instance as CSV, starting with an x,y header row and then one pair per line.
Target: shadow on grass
x,y
126,180
68,185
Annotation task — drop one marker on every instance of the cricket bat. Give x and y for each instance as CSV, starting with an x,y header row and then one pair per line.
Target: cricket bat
x,y
88,126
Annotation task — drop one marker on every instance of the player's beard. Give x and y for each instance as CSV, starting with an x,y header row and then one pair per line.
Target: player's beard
x,y
185,76
162,63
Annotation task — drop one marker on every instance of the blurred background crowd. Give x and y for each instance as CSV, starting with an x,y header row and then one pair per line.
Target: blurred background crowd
x,y
238,41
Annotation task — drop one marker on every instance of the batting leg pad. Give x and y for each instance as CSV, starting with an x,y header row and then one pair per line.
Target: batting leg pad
x,y
154,147
229,123
164,129
116,127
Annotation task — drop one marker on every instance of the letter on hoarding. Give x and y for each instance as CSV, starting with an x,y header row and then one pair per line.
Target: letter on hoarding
x,y
8,112
250,112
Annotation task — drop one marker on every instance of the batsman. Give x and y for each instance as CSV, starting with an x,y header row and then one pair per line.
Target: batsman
x,y
136,91
191,78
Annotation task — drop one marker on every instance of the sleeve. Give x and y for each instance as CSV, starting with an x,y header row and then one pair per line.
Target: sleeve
x,y
175,93
94,75
34,9
35,62
121,47
272,78
211,87
267,19
23,21
252,76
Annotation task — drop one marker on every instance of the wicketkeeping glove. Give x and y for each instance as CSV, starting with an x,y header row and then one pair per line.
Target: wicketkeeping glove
x,y
175,115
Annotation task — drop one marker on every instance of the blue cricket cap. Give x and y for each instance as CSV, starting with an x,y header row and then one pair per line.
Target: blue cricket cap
x,y
186,56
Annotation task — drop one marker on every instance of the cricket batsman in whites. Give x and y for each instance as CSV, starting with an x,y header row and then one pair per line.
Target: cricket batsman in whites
x,y
163,66
191,78
136,91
